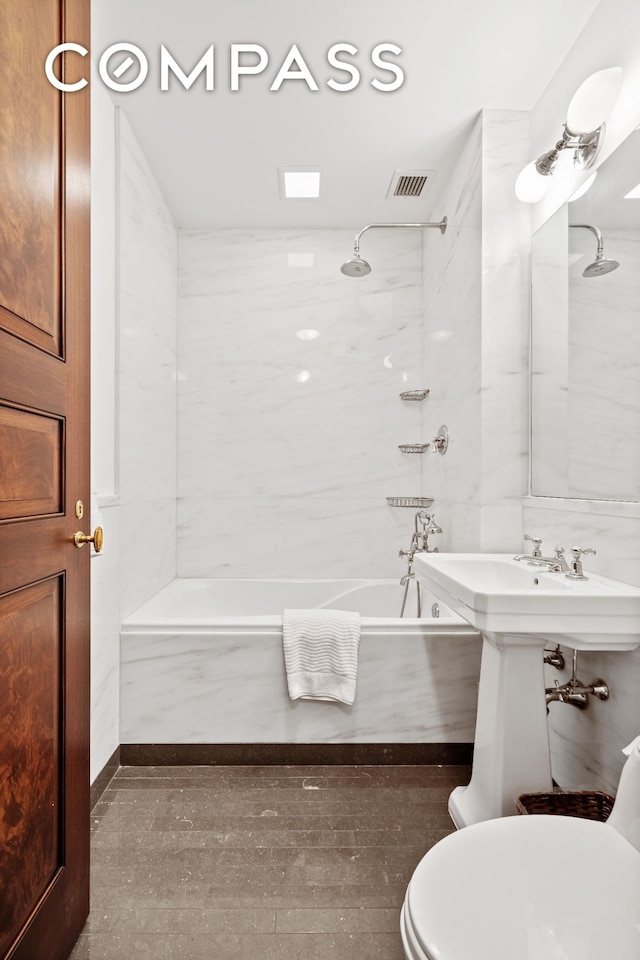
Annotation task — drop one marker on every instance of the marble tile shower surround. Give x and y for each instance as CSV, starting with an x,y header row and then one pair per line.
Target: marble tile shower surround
x,y
475,340
147,376
287,448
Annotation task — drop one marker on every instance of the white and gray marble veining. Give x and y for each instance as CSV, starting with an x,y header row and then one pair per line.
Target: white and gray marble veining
x,y
147,550
189,688
291,537
475,340
295,426
147,284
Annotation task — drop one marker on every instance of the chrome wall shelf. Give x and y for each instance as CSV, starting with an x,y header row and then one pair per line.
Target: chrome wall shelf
x,y
414,395
415,503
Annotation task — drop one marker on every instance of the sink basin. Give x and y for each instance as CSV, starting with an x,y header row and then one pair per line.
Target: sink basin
x,y
497,594
519,608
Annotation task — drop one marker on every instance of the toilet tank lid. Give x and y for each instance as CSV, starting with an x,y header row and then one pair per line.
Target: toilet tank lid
x,y
547,886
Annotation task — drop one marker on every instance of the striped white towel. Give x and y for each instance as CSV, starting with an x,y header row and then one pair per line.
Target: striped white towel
x,y
321,654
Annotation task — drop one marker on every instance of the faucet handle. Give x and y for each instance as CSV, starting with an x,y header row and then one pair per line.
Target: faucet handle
x,y
576,552
536,541
576,572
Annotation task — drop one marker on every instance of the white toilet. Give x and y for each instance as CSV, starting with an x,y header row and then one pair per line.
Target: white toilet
x,y
532,887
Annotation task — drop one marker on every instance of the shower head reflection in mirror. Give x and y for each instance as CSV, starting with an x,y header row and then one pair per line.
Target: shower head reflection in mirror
x,y
601,264
585,343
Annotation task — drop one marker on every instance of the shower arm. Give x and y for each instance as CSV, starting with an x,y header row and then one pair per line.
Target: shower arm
x,y
441,226
596,232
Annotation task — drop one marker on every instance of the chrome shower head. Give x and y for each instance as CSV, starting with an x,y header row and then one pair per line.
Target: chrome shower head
x,y
356,267
600,266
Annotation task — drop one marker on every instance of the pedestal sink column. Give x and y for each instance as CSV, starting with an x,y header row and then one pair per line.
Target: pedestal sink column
x,y
511,754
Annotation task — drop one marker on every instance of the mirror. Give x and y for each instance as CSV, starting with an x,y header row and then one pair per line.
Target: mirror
x,y
585,339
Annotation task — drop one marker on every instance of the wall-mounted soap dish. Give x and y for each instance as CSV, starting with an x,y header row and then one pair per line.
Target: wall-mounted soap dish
x,y
414,395
415,503
413,447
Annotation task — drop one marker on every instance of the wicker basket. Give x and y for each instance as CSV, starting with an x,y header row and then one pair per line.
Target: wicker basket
x,y
588,804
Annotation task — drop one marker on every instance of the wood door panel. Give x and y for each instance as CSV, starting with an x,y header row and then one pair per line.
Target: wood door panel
x,y
30,189
44,470
31,456
30,750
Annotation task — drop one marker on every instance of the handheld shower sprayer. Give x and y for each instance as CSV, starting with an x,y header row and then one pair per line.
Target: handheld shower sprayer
x,y
357,267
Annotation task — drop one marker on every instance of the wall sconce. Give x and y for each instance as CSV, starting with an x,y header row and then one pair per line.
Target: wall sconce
x,y
583,132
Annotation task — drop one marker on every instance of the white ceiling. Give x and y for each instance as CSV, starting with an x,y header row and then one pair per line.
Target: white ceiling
x,y
216,154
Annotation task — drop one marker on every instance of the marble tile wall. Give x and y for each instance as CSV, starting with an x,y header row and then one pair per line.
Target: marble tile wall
x,y
147,286
550,357
475,341
452,296
287,448
504,387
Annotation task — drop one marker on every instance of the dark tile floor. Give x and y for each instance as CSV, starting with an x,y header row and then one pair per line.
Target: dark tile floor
x,y
240,863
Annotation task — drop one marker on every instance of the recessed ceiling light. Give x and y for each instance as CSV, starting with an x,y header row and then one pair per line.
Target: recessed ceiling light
x,y
440,335
633,194
303,376
307,334
301,183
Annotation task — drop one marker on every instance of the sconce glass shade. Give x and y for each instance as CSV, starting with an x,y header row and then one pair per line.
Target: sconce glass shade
x,y
593,100
530,185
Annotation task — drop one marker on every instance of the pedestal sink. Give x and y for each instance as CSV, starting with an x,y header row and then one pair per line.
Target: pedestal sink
x,y
519,609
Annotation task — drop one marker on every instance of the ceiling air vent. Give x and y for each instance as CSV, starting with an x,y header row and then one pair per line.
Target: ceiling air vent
x,y
409,183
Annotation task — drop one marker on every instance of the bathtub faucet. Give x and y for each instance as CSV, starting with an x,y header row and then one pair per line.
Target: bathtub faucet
x,y
424,525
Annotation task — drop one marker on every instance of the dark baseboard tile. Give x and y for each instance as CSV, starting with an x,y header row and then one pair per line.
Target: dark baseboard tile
x,y
241,754
104,778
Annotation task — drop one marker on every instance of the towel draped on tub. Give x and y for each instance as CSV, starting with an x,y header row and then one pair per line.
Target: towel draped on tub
x,y
321,654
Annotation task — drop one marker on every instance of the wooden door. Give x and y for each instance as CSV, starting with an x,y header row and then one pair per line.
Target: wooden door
x,y
44,470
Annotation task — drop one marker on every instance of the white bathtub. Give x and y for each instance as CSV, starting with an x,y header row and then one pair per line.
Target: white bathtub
x,y
202,662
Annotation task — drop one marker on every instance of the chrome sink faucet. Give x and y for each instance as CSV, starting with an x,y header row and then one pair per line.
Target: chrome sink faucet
x,y
556,563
